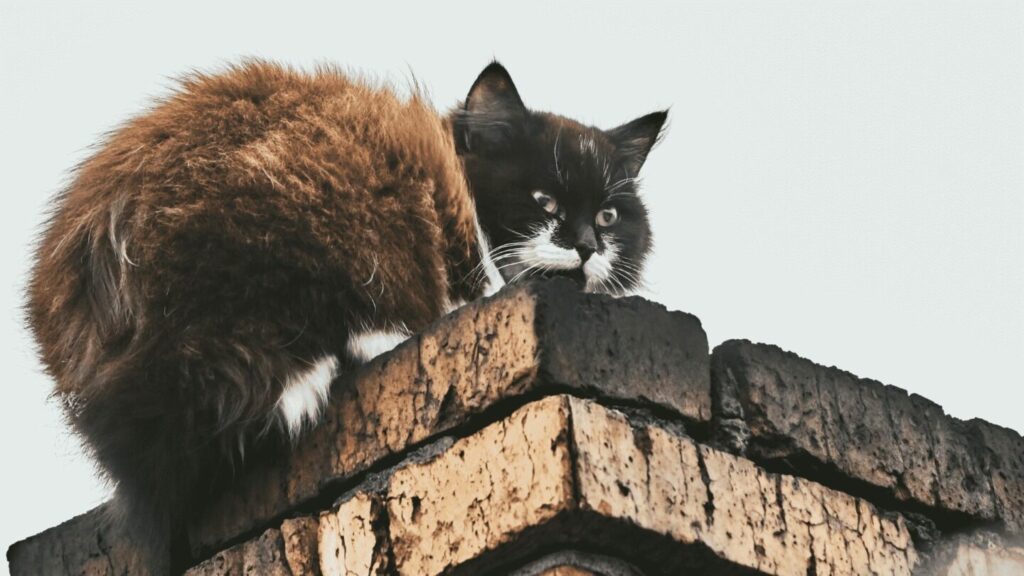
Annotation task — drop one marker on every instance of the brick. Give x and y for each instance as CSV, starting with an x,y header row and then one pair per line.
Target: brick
x,y
84,545
1001,452
300,545
468,500
626,348
349,542
264,555
772,523
824,422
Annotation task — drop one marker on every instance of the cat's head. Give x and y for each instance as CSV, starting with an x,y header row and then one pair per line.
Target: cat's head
x,y
554,196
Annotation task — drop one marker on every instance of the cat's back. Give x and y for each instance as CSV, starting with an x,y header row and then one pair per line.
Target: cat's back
x,y
253,179
262,124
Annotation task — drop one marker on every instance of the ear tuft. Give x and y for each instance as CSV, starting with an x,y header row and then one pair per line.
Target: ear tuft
x,y
634,140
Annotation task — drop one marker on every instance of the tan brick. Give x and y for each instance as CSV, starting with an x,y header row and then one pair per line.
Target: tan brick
x,y
768,522
348,542
482,491
84,545
264,555
300,545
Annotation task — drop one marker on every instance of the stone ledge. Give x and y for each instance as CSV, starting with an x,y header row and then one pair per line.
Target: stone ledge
x,y
826,423
83,545
557,473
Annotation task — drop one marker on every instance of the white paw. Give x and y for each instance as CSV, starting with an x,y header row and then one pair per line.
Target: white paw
x,y
305,395
365,346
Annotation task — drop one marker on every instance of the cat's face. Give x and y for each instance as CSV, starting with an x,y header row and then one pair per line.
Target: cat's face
x,y
555,197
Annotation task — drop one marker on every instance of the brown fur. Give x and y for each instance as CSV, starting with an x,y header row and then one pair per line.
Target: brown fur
x,y
227,238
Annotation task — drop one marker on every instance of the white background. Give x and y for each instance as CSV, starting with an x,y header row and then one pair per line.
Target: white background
x,y
843,179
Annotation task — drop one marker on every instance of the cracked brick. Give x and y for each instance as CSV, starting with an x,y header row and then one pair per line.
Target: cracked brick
x,y
829,425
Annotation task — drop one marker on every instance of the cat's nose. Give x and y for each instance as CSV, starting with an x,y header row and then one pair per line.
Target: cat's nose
x,y
586,244
584,251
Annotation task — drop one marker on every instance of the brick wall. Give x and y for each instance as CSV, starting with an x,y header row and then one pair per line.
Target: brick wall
x,y
547,432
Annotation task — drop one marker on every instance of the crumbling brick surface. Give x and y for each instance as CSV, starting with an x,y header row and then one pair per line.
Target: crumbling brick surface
x,y
265,555
483,491
825,422
300,550
84,545
352,541
772,523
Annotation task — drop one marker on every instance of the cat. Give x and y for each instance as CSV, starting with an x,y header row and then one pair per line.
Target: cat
x,y
221,257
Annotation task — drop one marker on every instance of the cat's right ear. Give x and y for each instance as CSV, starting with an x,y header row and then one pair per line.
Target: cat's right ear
x,y
491,117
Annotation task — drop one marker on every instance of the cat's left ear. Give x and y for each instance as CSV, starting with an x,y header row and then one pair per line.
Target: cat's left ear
x,y
492,114
634,140
494,93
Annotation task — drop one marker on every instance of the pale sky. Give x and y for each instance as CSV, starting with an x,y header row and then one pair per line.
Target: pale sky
x,y
842,179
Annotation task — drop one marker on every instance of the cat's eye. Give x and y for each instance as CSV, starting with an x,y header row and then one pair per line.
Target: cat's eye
x,y
549,204
607,217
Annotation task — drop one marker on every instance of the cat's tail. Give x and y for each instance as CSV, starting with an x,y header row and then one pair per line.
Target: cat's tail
x,y
170,420
143,441
170,426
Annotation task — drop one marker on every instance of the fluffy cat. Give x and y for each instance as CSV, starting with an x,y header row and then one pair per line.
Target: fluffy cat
x,y
221,257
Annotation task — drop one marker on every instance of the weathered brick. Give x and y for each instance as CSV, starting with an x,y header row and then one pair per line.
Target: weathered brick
x,y
814,419
1001,452
349,542
482,491
300,546
773,523
84,545
264,555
